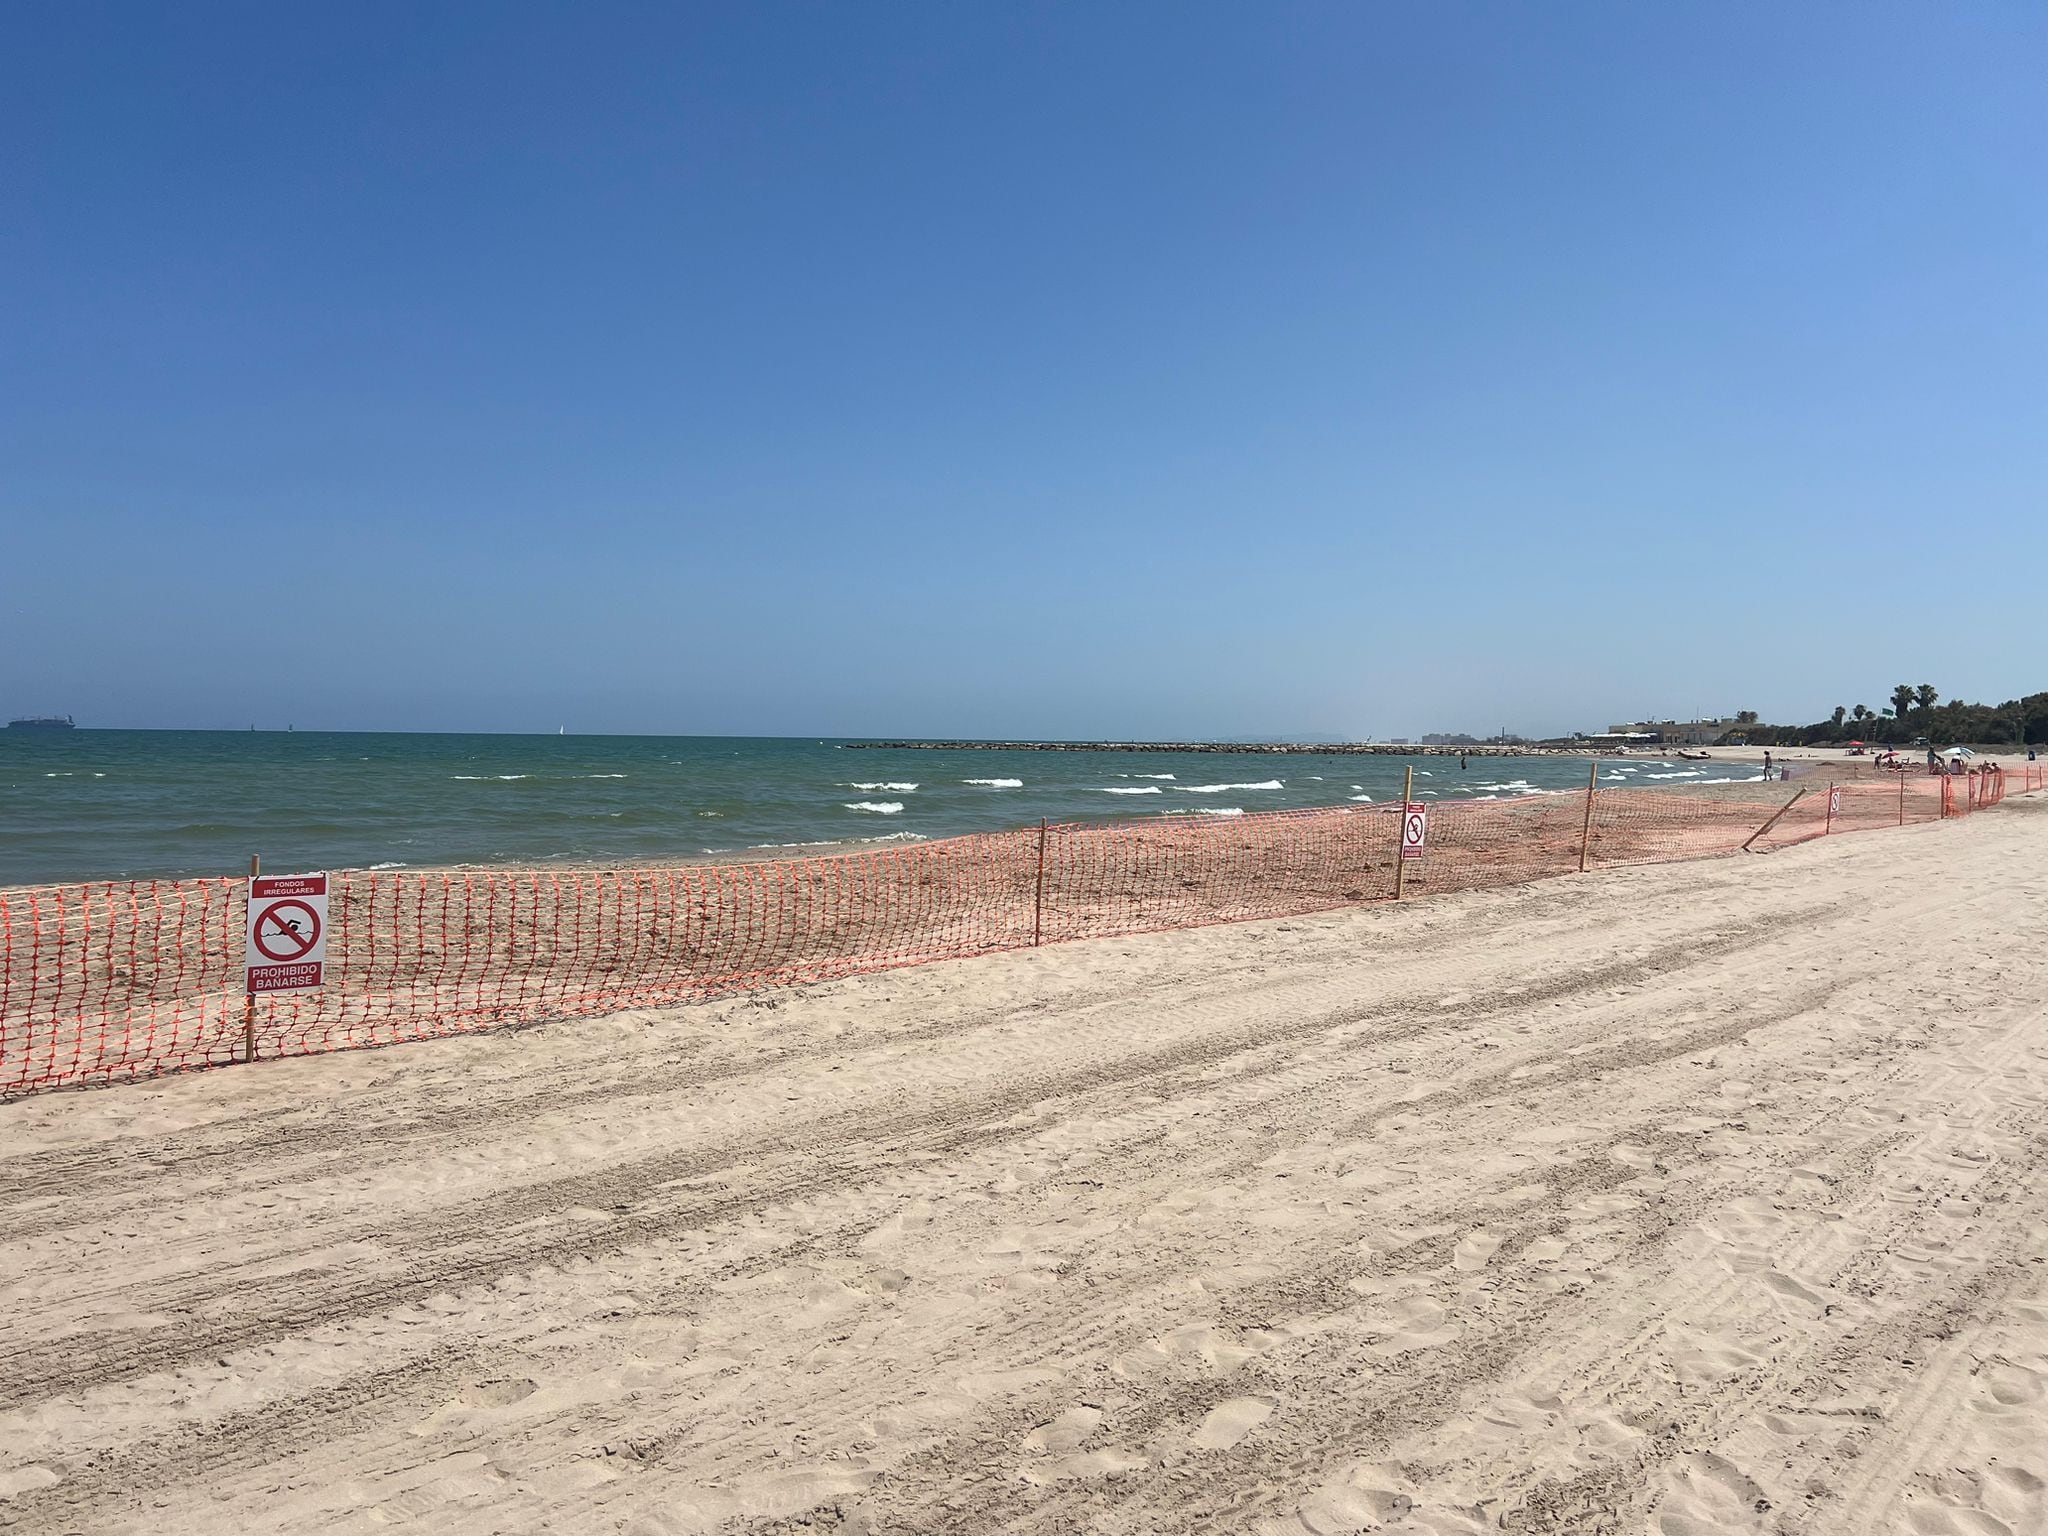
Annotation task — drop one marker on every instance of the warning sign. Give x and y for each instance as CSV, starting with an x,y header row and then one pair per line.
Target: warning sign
x,y
1834,803
1414,828
287,947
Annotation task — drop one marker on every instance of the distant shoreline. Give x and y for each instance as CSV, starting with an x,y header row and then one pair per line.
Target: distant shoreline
x,y
1227,748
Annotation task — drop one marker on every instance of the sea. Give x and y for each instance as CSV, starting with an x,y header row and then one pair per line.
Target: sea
x,y
114,805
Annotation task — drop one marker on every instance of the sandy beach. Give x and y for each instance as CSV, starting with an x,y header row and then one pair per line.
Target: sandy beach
x,y
1696,1198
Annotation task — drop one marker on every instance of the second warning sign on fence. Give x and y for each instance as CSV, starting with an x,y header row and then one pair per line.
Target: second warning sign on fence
x,y
287,942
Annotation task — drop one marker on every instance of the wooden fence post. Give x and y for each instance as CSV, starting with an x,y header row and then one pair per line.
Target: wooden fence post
x,y
249,997
1829,825
1781,810
1038,901
1902,797
1586,829
1401,834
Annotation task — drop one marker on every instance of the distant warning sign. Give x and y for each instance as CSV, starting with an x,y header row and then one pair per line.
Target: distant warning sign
x,y
1834,803
1414,828
287,947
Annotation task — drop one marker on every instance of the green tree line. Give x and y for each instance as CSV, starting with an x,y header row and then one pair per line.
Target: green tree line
x,y
1914,712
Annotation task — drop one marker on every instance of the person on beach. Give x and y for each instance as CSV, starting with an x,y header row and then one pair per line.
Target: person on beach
x,y
1767,762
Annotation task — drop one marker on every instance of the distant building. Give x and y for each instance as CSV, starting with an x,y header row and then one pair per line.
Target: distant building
x,y
1667,733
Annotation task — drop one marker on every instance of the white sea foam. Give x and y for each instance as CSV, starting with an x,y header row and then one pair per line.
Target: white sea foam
x,y
830,842
1366,798
712,815
1114,789
901,789
1683,773
1316,776
996,783
481,777
876,807
1217,789
1207,810
1141,775
390,864
604,775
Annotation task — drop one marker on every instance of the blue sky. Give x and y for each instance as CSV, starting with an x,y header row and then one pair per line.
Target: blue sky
x,y
1146,370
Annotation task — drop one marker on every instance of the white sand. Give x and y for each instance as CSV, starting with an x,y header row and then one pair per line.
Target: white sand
x,y
1690,1199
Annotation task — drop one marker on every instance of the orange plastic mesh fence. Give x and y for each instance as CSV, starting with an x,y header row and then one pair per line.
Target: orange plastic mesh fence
x,y
123,979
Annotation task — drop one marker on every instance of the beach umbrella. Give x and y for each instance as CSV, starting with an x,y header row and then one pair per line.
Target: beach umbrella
x,y
1958,752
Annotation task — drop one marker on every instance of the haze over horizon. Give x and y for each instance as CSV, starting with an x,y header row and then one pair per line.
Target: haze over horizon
x,y
1146,373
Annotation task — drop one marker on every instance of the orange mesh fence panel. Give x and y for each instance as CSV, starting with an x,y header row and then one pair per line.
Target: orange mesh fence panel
x,y
1476,843
117,980
1911,799
1654,826
143,974
1183,871
120,979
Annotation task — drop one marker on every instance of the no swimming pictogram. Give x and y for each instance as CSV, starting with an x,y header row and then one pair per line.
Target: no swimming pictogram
x,y
287,930
287,938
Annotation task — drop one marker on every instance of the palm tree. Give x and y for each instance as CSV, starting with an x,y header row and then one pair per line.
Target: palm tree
x,y
1902,701
1926,698
1745,717
1840,711
1861,712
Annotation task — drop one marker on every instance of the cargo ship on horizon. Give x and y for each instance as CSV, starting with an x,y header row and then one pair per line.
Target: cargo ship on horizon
x,y
43,723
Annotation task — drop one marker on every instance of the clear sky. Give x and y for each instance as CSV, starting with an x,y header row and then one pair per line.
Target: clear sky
x,y
1075,370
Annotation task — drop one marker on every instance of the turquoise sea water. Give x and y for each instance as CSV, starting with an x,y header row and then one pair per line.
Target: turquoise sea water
x,y
86,804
